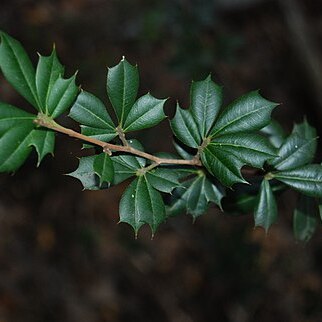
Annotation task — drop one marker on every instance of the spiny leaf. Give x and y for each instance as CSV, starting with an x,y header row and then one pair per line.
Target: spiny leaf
x,y
249,113
305,218
265,213
103,167
141,204
48,71
183,153
306,179
18,69
163,179
206,99
62,94
275,133
185,128
146,112
91,113
122,88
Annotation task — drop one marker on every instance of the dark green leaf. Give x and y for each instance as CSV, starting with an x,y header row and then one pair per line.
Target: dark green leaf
x,y
43,141
141,204
103,167
48,71
305,218
163,179
250,112
63,93
306,179
122,88
206,99
146,112
17,69
183,153
275,133
91,113
185,128
265,213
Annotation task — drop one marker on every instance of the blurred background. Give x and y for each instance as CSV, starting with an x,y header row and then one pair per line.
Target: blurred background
x,y
62,255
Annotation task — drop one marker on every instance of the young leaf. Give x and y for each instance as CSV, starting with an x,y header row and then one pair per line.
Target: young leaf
x,y
249,113
146,112
103,167
62,95
306,179
48,71
163,179
206,99
141,204
265,213
18,69
91,113
122,88
185,128
305,218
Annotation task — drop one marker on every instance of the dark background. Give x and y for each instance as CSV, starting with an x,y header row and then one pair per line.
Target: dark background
x,y
62,255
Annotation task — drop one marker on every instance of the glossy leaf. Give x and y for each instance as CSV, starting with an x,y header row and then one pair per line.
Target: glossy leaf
x,y
306,179
91,113
146,112
206,99
305,218
18,69
182,151
249,113
62,95
185,128
103,167
163,179
265,213
122,88
49,69
43,141
275,133
141,204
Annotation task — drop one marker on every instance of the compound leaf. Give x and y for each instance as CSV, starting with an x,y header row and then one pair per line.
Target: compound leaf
x,y
265,213
122,88
103,167
18,69
206,99
249,113
146,112
305,218
306,179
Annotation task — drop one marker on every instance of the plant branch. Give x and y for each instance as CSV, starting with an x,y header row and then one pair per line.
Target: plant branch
x,y
49,123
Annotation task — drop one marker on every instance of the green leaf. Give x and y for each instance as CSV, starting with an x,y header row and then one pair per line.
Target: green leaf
x,y
306,179
249,113
48,71
185,128
265,213
103,167
225,155
182,151
141,204
122,88
146,112
18,69
298,149
163,179
206,99
275,133
63,93
85,173
91,113
305,218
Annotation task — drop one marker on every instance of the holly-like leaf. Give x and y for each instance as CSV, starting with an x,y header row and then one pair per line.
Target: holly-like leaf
x,y
306,179
305,218
275,133
122,88
18,69
265,213
146,112
249,113
163,179
63,93
48,71
206,99
225,155
142,204
103,167
91,113
185,128
182,151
